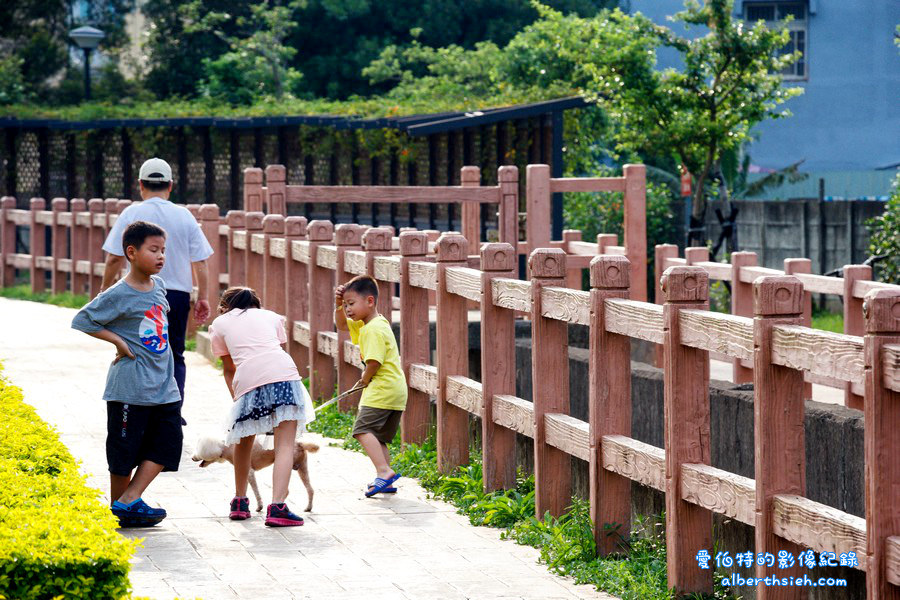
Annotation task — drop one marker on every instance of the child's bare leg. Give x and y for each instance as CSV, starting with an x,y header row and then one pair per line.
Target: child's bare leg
x,y
242,453
285,436
377,454
387,453
117,486
145,474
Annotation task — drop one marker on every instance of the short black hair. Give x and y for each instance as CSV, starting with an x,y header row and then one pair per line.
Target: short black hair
x,y
155,186
137,232
363,285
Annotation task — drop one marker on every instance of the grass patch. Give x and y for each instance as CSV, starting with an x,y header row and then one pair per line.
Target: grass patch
x,y
566,544
57,539
23,292
190,345
828,321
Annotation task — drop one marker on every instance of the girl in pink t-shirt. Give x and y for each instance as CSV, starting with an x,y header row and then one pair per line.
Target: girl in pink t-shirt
x,y
268,395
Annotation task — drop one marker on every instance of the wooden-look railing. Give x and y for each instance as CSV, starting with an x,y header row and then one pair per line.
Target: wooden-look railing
x,y
743,271
296,265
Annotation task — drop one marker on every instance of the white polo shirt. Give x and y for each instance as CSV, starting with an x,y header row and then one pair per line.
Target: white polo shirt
x,y
185,242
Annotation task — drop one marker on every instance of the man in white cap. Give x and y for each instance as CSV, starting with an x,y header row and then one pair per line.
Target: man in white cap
x,y
186,253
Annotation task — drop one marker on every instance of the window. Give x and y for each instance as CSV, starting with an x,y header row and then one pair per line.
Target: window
x,y
774,13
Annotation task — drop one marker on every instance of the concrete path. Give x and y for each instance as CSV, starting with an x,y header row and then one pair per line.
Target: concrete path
x,y
402,547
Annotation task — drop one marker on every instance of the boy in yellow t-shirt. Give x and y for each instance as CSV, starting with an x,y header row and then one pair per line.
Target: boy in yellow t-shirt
x,y
384,397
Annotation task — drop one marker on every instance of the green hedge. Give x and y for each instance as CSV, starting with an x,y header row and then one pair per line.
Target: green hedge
x,y
57,539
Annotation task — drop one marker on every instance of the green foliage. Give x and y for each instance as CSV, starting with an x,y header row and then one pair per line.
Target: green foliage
x,y
12,83
828,321
23,292
57,539
884,240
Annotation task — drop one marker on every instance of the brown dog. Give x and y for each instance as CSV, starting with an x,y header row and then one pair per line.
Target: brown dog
x,y
210,450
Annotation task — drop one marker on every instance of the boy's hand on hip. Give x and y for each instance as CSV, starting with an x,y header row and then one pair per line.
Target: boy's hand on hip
x,y
123,351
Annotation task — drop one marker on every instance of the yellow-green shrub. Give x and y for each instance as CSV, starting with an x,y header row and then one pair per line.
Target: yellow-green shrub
x,y
57,539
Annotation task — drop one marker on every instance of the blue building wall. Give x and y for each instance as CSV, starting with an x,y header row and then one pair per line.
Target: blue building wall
x,y
848,118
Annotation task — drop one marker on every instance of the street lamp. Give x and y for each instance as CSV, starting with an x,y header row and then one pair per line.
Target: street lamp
x,y
87,39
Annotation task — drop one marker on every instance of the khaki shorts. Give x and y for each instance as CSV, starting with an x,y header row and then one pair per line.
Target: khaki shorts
x,y
383,423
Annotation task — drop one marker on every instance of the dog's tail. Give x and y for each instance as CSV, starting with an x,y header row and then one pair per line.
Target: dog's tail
x,y
310,447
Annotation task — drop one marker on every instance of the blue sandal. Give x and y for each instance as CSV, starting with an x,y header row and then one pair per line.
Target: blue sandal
x,y
387,490
137,514
380,486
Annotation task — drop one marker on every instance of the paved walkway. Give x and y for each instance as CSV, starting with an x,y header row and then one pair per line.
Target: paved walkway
x,y
394,547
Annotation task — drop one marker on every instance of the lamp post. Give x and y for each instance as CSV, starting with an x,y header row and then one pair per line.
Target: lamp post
x,y
87,39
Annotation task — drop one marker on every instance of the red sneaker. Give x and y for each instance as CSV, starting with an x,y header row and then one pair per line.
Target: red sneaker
x,y
240,509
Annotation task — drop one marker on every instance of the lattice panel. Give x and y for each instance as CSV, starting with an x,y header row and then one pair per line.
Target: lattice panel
x,y
221,143
57,155
113,172
27,168
195,189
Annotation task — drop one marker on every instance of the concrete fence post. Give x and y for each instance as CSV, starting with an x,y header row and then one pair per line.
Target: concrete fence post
x,y
854,324
273,266
550,384
236,221
415,336
498,368
663,252
321,311
253,189
471,211
508,215
296,291
209,224
347,236
79,248
452,355
882,443
741,305
686,415
59,239
778,431
802,265
37,246
7,241
609,401
537,202
96,237
276,190
253,258
635,226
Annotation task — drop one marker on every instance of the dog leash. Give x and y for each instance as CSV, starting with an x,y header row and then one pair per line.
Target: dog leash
x,y
339,397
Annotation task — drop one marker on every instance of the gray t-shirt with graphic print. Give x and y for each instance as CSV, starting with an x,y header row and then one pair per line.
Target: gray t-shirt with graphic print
x,y
140,319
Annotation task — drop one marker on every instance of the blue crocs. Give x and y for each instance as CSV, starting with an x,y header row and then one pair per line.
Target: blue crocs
x,y
137,514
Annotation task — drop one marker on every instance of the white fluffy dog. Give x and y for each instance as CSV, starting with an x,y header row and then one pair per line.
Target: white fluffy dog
x,y
211,450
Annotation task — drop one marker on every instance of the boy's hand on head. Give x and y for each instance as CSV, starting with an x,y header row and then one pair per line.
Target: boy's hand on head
x,y
339,296
123,351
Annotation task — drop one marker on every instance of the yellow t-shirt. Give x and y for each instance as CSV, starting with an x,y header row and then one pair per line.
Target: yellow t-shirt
x,y
376,341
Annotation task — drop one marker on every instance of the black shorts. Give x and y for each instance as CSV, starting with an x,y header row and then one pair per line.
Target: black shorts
x,y
135,433
383,423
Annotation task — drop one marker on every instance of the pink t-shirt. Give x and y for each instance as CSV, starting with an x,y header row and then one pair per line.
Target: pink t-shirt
x,y
253,338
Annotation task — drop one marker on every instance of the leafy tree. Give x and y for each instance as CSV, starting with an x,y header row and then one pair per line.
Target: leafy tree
x,y
12,84
885,237
257,62
729,82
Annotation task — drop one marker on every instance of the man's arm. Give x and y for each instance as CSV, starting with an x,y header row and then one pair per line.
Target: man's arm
x,y
201,308
111,270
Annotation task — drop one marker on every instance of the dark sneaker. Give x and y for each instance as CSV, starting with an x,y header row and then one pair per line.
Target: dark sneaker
x,y
240,509
279,515
137,514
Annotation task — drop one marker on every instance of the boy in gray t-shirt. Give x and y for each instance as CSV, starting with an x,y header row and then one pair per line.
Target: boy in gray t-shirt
x,y
142,398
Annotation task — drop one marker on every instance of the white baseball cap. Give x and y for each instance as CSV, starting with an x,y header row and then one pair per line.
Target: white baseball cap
x,y
155,169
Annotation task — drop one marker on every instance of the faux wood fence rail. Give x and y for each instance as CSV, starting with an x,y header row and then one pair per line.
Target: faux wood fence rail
x,y
743,271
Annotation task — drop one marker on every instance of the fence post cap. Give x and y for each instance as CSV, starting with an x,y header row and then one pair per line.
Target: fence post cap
x,y
498,256
413,243
95,205
881,309
123,204
377,239
320,231
658,246
209,212
37,203
273,224
295,226
608,239
470,175
508,174
794,262
254,220
77,204
59,204
610,272
776,295
235,218
545,263
685,284
253,175
7,202
452,247
537,168
275,173
573,235
405,229
348,234
110,204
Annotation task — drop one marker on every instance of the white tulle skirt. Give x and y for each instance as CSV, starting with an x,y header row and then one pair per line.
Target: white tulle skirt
x,y
261,409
